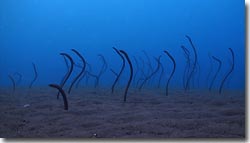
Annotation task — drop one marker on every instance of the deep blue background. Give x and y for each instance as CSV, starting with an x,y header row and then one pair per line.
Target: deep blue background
x,y
38,30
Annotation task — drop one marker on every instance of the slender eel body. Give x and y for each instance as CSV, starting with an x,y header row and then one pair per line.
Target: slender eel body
x,y
195,62
85,74
70,69
82,71
229,72
172,73
116,74
199,74
94,76
68,73
66,62
13,83
215,75
36,75
122,68
20,77
143,75
63,94
137,70
80,79
158,65
151,75
161,74
67,65
103,69
149,62
131,74
187,67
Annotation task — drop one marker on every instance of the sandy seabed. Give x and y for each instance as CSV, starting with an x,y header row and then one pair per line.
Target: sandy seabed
x,y
96,113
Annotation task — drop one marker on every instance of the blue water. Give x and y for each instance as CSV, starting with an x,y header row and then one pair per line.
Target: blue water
x,y
39,30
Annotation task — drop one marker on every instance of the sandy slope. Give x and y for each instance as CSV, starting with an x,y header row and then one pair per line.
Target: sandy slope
x,y
99,114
